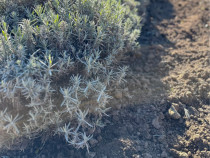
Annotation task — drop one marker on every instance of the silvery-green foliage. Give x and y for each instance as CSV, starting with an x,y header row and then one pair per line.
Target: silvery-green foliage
x,y
11,123
60,58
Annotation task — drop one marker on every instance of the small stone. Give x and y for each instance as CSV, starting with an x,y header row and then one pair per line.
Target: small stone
x,y
176,106
164,154
156,123
173,113
147,155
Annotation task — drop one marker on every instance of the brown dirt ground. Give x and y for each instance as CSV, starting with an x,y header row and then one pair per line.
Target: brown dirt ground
x,y
172,67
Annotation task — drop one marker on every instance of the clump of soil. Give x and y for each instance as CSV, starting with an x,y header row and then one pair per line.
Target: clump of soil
x,y
170,72
189,58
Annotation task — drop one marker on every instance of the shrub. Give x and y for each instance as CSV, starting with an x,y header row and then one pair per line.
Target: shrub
x,y
58,63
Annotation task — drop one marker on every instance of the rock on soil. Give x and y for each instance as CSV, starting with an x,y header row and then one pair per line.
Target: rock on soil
x,y
173,113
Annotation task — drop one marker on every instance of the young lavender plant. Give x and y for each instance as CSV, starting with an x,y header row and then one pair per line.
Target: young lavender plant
x,y
43,44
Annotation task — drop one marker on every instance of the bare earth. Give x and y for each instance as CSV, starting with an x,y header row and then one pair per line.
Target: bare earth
x,y
172,68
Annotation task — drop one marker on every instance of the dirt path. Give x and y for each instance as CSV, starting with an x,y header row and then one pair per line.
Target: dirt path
x,y
171,67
